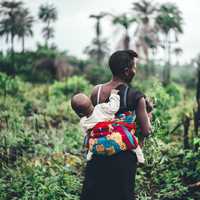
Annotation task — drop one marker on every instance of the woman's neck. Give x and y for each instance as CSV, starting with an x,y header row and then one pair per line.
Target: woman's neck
x,y
117,81
107,87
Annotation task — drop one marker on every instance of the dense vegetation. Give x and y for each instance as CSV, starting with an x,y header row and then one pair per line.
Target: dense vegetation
x,y
40,140
41,143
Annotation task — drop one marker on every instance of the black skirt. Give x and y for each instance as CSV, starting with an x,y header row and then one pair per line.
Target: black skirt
x,y
110,178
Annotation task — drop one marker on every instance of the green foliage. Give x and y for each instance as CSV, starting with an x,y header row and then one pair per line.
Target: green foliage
x,y
167,102
169,18
175,92
41,143
48,181
103,74
48,14
70,87
40,139
163,103
184,75
9,85
46,52
164,172
73,138
5,63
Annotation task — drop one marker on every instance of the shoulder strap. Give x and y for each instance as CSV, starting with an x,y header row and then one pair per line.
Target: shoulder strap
x,y
126,104
98,94
125,97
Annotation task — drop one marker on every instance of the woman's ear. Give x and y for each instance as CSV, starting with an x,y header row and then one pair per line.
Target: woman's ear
x,y
126,71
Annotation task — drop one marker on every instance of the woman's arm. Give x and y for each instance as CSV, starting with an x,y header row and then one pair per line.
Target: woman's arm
x,y
143,118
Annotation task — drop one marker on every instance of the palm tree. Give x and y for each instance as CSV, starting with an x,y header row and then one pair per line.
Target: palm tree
x,y
169,20
47,14
8,24
1,40
196,61
144,9
25,24
97,44
125,21
95,52
146,35
178,51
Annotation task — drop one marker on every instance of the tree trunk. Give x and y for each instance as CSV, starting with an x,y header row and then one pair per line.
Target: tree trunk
x,y
1,50
165,68
198,89
168,74
47,36
126,40
5,91
98,50
12,54
168,78
12,43
186,125
23,44
197,113
98,36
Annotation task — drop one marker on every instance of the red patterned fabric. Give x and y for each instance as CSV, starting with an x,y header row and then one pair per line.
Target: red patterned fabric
x,y
111,137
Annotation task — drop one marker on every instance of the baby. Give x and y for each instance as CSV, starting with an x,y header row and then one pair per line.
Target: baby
x,y
91,115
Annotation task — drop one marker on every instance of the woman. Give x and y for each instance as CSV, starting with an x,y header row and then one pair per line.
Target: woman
x,y
113,177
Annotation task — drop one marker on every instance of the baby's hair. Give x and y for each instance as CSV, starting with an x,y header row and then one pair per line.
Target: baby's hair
x,y
79,104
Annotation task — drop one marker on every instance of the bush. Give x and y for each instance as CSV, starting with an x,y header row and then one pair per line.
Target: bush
x,y
163,103
10,86
42,138
162,173
46,181
69,87
185,75
98,74
175,92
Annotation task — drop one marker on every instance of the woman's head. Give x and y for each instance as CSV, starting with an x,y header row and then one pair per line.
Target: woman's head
x,y
122,64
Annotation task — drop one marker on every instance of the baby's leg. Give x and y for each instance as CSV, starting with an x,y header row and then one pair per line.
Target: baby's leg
x,y
139,154
89,155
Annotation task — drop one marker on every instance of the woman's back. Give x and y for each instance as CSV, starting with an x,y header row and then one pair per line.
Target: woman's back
x,y
129,97
111,177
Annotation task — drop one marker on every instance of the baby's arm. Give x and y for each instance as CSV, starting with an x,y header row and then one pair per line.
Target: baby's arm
x,y
114,103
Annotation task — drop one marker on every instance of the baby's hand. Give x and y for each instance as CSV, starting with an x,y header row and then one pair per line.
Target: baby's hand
x,y
114,91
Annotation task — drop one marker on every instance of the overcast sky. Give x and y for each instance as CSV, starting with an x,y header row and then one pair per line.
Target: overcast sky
x,y
74,30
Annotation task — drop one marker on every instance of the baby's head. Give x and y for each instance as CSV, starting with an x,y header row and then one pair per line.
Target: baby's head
x,y
82,105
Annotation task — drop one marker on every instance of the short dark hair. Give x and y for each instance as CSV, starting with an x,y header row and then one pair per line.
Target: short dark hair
x,y
79,104
119,60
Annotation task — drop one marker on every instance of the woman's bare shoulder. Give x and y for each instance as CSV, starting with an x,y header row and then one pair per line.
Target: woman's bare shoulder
x,y
93,96
104,92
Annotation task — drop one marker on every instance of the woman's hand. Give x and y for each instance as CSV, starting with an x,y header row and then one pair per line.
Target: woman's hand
x,y
149,105
150,116
142,115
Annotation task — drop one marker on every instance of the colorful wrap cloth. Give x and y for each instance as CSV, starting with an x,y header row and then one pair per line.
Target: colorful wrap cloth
x,y
111,137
